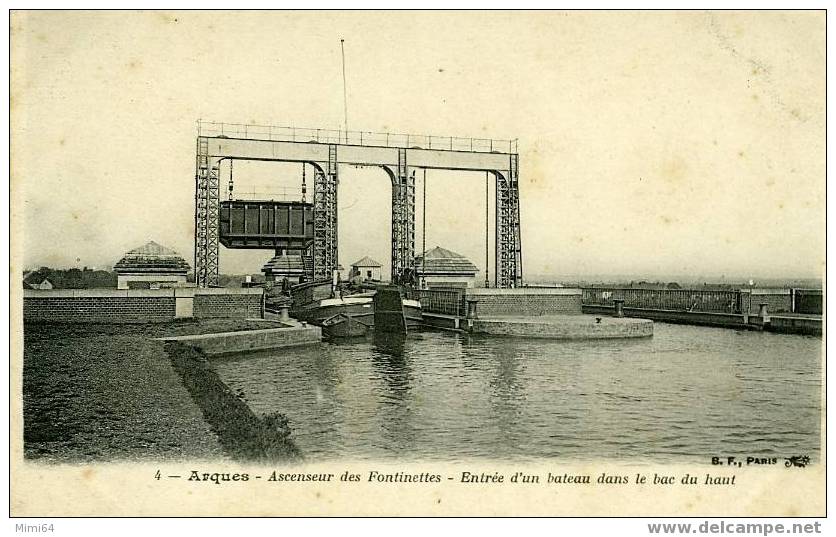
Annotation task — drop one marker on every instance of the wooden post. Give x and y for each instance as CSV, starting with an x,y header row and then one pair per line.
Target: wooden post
x,y
762,313
471,313
619,307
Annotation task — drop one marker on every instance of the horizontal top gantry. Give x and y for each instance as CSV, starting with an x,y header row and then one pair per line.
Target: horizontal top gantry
x,y
252,147
212,129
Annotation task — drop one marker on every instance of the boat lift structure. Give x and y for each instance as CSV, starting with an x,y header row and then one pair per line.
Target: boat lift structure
x,y
399,155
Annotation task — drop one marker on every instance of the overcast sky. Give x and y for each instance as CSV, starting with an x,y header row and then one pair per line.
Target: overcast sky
x,y
650,144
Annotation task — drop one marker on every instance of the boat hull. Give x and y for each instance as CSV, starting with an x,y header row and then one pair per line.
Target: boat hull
x,y
317,314
342,326
412,313
313,304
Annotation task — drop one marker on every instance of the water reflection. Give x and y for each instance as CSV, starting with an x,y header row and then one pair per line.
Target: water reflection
x,y
390,365
504,380
390,343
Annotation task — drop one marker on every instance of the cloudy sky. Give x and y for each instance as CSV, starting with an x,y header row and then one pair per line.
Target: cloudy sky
x,y
651,144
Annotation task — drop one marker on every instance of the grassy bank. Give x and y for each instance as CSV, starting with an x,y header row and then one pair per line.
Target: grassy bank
x,y
242,434
109,392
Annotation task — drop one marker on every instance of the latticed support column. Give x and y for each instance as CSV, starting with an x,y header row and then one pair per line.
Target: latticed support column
x,y
213,211
514,180
207,207
508,239
396,227
325,216
403,218
504,238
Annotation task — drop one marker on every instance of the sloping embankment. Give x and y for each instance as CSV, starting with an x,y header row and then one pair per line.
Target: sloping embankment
x,y
242,434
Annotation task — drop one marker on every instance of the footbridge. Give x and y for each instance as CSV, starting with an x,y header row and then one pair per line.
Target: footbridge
x,y
399,155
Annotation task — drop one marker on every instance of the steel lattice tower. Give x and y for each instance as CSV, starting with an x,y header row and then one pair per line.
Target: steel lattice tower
x,y
207,205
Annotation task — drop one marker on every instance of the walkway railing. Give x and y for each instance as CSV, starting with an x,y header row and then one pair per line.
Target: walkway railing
x,y
666,299
443,301
368,138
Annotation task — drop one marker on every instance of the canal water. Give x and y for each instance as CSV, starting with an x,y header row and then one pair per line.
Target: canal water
x,y
684,395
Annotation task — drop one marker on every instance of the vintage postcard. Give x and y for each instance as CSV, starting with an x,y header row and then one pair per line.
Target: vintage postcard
x,y
512,263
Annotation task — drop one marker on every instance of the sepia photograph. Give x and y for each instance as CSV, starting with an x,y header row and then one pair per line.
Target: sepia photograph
x,y
457,263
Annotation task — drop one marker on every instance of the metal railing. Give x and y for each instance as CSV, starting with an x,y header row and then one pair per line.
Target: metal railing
x,y
367,138
274,193
666,299
805,301
443,301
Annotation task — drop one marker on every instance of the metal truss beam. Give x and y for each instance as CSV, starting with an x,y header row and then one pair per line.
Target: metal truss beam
x,y
515,219
403,219
325,251
207,207
508,240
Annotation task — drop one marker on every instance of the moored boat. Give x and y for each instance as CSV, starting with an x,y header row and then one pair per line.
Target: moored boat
x,y
354,314
342,325
412,313
316,302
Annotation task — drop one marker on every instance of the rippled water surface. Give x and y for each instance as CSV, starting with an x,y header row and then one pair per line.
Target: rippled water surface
x,y
685,394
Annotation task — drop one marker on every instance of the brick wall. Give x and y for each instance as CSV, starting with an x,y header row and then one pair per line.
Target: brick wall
x,y
135,305
777,300
526,301
99,309
227,305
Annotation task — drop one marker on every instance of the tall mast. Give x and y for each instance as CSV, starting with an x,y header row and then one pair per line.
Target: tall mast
x,y
487,226
424,233
345,94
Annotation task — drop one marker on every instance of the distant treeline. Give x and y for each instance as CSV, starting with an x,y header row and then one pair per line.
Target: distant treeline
x,y
75,278
707,286
86,278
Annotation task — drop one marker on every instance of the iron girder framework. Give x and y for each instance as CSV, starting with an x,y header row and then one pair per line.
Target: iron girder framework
x,y
325,216
207,211
508,239
403,218
399,154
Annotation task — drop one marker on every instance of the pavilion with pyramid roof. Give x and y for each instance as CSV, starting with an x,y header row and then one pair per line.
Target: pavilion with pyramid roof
x,y
288,264
151,266
440,267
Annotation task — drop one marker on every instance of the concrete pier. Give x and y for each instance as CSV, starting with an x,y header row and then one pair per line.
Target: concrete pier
x,y
292,334
564,327
787,323
527,312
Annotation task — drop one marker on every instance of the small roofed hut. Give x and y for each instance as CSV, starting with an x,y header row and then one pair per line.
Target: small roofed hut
x,y
151,266
443,268
365,269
